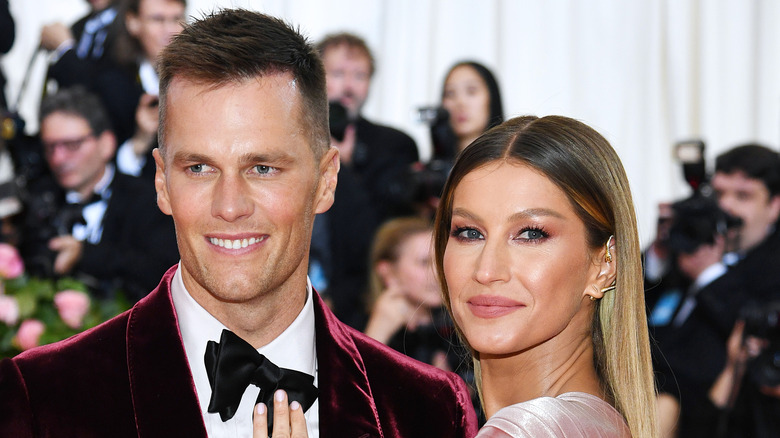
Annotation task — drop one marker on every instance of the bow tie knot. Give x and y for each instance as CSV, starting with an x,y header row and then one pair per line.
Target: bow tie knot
x,y
233,364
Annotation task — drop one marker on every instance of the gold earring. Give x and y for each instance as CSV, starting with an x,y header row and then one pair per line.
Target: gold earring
x,y
592,298
608,288
608,256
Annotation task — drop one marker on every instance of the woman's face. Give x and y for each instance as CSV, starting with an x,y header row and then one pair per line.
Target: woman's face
x,y
517,263
414,271
467,99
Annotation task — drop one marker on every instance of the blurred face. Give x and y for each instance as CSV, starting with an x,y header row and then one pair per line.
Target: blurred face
x,y
414,271
348,76
243,186
99,5
467,99
76,157
157,22
517,263
748,199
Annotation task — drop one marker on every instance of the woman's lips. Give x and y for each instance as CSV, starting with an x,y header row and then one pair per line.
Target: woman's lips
x,y
486,306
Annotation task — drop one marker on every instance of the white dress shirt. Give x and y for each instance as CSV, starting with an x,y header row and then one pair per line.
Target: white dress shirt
x,y
295,349
93,213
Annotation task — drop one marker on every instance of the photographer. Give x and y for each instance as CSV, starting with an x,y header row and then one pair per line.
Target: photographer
x,y
746,394
90,221
690,348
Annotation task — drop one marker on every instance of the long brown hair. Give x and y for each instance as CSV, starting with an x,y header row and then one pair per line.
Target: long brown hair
x,y
586,168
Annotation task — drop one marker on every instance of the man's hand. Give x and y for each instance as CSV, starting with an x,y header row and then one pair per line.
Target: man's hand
x,y
68,251
346,146
53,35
147,119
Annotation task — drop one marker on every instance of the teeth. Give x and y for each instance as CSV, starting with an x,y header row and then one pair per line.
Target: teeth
x,y
235,244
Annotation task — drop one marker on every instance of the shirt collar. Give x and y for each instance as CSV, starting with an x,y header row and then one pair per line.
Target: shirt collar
x,y
101,188
294,348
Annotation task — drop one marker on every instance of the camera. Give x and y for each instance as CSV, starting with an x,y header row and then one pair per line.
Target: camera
x,y
762,320
696,221
338,120
690,153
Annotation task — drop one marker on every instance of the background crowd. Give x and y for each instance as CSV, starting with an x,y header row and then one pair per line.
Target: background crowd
x,y
81,205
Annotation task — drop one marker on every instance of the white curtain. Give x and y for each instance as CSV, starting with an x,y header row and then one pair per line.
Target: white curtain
x,y
646,74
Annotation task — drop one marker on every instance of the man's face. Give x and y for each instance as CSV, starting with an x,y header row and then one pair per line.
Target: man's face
x,y
239,178
157,22
76,156
348,74
99,5
748,199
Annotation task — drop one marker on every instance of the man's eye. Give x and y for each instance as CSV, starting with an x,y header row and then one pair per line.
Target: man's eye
x,y
197,168
262,169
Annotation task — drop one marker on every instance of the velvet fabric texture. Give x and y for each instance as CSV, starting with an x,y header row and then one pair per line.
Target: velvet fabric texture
x,y
130,377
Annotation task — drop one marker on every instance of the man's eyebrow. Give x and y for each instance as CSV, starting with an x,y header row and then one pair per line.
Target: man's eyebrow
x,y
277,158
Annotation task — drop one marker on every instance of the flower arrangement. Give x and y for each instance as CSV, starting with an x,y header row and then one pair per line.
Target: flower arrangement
x,y
36,311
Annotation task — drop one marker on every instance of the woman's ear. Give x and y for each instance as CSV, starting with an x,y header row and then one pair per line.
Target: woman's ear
x,y
606,263
384,269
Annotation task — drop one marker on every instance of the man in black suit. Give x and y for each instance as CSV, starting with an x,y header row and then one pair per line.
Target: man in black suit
x,y
375,160
90,221
79,50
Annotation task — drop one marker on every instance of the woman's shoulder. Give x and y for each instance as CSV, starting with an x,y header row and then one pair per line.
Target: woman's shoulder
x,y
573,414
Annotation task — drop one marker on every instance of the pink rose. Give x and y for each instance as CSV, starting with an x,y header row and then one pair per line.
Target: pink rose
x,y
29,333
11,265
9,310
72,306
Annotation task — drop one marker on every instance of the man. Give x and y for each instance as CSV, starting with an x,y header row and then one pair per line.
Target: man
x,y
375,161
747,185
79,49
90,221
243,167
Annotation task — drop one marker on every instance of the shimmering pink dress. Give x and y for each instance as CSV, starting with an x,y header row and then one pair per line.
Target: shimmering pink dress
x,y
570,415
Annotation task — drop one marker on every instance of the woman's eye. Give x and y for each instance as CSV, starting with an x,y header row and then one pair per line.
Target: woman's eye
x,y
532,234
467,234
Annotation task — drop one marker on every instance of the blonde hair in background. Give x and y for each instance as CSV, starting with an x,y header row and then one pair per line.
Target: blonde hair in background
x,y
386,246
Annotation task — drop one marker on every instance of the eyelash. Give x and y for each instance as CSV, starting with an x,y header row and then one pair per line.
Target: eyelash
x,y
456,233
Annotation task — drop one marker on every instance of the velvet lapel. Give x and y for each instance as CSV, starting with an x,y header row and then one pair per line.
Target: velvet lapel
x,y
163,392
347,407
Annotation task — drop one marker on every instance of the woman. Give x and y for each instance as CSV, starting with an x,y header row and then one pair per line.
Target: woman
x,y
473,101
405,299
538,257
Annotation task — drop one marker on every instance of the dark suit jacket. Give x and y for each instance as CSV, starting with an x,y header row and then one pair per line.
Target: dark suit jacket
x,y
130,377
138,242
370,190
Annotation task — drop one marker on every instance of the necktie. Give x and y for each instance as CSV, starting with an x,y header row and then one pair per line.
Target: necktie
x,y
233,364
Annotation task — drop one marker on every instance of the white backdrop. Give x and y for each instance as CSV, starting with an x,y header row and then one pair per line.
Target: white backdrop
x,y
644,73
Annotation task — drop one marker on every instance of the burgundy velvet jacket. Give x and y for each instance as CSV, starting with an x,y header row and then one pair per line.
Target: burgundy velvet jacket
x,y
130,377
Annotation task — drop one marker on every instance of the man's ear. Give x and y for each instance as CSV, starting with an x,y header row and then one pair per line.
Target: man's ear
x,y
107,142
774,205
160,183
133,24
329,175
606,264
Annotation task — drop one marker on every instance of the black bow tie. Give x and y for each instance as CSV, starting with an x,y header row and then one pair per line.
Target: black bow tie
x,y
232,364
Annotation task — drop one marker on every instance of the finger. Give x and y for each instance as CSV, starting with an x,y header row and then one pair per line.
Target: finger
x,y
260,422
297,421
281,415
